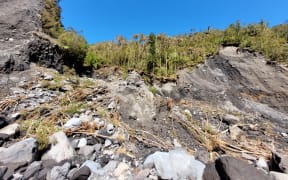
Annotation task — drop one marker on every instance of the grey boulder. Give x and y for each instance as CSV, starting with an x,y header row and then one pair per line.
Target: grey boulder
x,y
232,168
19,153
59,172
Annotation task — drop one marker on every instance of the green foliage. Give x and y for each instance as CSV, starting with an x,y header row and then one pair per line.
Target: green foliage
x,y
153,90
162,55
152,53
232,35
73,108
41,130
51,18
91,59
75,45
281,31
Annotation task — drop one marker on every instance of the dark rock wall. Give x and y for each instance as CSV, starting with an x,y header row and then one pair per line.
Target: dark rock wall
x,y
19,20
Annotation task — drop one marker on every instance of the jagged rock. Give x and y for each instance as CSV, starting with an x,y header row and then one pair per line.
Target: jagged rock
x,y
21,26
230,81
3,122
81,174
59,172
19,153
175,164
61,148
230,119
210,172
3,170
279,162
32,169
278,176
10,130
232,168
3,138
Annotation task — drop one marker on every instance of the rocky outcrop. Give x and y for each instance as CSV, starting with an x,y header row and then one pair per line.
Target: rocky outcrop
x,y
21,40
239,82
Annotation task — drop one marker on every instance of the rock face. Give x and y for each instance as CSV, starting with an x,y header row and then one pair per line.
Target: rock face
x,y
19,153
231,168
239,82
21,40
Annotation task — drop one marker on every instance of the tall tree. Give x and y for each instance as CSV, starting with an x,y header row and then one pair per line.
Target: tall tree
x,y
152,53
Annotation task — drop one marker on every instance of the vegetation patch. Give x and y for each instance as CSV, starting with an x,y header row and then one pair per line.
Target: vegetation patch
x,y
41,130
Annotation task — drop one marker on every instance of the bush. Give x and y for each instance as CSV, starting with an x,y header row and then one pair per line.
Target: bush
x,y
91,59
51,18
76,47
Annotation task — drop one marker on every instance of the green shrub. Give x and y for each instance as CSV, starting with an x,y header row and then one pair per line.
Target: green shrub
x,y
51,18
91,59
75,45
41,130
153,90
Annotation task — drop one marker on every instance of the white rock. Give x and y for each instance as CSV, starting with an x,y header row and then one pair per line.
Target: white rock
x,y
176,164
107,143
82,142
112,105
278,176
262,163
61,148
176,143
110,129
72,123
15,115
10,129
121,168
47,77
284,134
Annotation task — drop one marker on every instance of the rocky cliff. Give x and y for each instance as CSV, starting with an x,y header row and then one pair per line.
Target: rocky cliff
x,y
21,37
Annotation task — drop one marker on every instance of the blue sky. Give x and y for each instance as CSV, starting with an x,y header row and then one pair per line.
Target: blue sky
x,y
103,20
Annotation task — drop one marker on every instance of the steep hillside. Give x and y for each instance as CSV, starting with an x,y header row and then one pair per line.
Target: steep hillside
x,y
228,112
239,82
22,39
